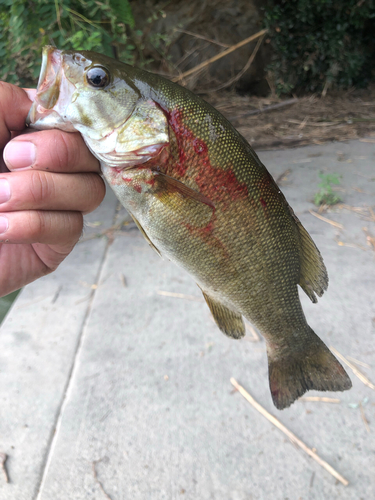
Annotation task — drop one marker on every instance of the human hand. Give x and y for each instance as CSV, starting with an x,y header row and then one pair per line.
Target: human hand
x,y
52,181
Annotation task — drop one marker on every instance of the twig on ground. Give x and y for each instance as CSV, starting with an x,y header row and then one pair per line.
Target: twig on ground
x,y
303,123
32,302
123,280
255,336
97,479
364,417
291,436
86,297
109,233
312,479
267,108
282,177
320,398
357,362
314,124
366,213
324,219
179,295
3,459
56,296
219,56
350,245
370,239
354,369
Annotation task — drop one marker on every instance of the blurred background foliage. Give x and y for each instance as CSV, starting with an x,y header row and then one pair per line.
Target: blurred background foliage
x,y
27,25
311,45
320,43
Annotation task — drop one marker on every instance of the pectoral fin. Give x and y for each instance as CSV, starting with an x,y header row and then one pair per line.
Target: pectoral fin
x,y
185,204
145,235
229,322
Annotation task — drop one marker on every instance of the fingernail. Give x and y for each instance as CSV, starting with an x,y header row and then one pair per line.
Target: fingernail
x,y
19,154
4,191
3,224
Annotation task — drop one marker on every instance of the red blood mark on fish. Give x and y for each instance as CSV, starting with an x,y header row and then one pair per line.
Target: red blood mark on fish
x,y
175,120
184,137
191,162
134,184
264,205
206,233
199,146
220,185
215,183
151,182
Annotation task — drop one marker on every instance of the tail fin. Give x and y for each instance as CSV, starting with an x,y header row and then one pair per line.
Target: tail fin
x,y
298,371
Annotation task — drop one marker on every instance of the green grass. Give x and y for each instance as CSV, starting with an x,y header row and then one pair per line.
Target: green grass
x,y
326,195
6,302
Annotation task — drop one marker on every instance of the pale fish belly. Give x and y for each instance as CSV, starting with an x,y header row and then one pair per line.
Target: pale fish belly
x,y
179,230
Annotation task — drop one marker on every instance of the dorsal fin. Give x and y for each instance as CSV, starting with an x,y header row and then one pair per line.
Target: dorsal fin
x,y
229,322
313,276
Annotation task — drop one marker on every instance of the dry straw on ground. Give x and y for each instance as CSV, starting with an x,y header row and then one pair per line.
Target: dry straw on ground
x,y
294,439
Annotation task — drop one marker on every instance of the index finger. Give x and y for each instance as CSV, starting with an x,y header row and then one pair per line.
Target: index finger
x,y
52,150
14,106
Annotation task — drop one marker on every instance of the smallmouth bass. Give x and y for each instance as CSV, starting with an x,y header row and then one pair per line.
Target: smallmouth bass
x,y
201,197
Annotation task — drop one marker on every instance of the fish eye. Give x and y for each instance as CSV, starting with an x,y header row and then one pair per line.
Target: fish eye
x,y
97,77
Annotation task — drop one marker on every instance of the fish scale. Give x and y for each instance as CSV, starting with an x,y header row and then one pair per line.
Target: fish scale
x,y
201,197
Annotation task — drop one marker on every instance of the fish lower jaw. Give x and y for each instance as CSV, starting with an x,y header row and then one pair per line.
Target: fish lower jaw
x,y
40,118
129,159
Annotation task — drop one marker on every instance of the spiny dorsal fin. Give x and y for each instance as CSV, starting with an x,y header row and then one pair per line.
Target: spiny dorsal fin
x,y
229,322
145,235
313,276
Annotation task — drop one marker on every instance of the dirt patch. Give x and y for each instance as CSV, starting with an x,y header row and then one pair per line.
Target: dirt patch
x,y
313,119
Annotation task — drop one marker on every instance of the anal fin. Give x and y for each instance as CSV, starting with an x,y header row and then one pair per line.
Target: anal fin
x,y
145,235
229,322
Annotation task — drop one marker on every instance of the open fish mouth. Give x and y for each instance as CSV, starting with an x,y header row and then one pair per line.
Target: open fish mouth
x,y
53,93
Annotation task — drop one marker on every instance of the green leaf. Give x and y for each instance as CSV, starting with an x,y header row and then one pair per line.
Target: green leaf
x,y
27,25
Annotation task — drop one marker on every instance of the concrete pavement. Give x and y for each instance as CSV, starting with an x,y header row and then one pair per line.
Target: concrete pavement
x,y
111,389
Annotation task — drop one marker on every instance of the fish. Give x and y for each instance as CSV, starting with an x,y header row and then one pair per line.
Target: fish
x,y
202,198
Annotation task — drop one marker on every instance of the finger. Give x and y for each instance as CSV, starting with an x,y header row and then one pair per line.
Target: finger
x,y
14,106
38,190
31,93
52,150
37,226
31,262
